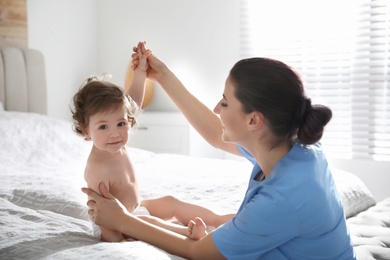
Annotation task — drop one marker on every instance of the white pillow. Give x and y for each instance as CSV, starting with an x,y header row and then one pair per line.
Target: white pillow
x,y
354,194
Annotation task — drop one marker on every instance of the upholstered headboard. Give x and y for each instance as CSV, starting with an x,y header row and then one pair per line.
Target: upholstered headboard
x,y
22,80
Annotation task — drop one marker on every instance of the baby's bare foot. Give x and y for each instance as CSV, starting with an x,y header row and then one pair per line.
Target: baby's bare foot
x,y
196,229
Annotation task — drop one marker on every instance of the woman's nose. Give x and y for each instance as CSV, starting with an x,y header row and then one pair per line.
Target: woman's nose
x,y
217,109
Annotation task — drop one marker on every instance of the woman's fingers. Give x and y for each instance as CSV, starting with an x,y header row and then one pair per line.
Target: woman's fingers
x,y
139,48
104,191
94,196
91,203
91,194
143,49
91,214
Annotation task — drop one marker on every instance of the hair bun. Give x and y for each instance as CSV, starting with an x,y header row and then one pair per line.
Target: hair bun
x,y
315,119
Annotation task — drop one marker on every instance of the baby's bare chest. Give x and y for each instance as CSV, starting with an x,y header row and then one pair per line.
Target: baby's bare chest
x,y
119,176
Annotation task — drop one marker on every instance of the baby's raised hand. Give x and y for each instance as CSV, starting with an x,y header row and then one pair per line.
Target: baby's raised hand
x,y
140,57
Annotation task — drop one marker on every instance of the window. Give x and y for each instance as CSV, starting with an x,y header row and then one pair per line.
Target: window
x,y
342,51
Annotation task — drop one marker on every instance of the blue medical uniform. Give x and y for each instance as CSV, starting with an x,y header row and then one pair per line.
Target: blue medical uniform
x,y
295,213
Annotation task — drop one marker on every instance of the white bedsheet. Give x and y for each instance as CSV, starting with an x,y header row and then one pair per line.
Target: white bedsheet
x,y
43,211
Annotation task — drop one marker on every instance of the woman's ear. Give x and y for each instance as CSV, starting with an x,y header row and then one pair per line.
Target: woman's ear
x,y
256,120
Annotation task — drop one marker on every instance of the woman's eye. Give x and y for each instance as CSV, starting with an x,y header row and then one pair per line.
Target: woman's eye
x,y
223,104
103,127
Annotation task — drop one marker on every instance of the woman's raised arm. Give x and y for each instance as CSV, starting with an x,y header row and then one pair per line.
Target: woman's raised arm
x,y
205,122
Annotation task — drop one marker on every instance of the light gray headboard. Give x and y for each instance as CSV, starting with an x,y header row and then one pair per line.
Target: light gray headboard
x,y
22,80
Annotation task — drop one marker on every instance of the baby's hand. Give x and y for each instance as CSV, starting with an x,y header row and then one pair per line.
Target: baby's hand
x,y
139,58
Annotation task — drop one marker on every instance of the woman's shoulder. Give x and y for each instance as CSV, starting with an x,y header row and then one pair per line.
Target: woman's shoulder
x,y
304,156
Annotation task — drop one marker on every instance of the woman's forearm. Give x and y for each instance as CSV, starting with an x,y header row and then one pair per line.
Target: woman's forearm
x,y
204,121
169,241
159,237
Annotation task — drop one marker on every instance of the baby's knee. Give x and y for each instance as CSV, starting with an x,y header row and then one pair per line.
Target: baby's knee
x,y
170,199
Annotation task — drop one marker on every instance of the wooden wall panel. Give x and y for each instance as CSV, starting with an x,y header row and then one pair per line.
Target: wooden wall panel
x,y
13,23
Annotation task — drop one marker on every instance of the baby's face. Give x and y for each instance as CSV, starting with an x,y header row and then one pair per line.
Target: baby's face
x,y
109,130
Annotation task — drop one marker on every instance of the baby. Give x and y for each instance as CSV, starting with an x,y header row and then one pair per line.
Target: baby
x,y
104,114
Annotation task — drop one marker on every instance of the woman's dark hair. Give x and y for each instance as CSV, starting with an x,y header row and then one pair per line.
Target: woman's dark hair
x,y
274,89
97,96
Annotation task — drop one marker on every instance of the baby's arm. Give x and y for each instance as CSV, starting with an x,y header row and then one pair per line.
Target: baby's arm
x,y
137,86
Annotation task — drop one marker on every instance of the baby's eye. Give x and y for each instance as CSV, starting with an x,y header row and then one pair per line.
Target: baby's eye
x,y
103,127
122,124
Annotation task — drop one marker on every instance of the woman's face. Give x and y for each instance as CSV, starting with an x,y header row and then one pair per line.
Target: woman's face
x,y
231,114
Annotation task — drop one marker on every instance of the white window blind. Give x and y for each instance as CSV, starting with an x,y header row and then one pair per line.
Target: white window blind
x,y
341,49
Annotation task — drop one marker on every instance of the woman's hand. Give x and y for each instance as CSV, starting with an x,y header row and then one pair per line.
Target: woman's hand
x,y
105,210
142,54
156,69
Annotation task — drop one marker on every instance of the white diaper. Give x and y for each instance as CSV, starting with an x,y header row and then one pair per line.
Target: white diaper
x,y
141,210
137,212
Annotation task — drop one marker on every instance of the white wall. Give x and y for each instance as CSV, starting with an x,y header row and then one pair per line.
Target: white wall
x,y
66,32
197,39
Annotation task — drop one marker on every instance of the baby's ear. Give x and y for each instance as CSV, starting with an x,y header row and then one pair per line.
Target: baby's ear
x,y
86,135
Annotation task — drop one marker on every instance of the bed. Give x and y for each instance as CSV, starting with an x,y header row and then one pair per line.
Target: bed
x,y
43,213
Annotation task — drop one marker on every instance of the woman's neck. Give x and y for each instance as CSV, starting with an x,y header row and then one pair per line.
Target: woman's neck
x,y
266,158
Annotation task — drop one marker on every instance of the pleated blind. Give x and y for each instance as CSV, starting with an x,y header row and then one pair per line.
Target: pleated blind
x,y
341,49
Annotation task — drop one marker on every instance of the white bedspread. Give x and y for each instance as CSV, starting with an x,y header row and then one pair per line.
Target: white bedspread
x,y
43,211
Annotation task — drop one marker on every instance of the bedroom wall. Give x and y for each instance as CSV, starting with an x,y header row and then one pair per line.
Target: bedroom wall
x,y
66,32
13,23
79,38
200,42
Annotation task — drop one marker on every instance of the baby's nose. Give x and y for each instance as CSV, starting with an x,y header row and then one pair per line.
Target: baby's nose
x,y
115,134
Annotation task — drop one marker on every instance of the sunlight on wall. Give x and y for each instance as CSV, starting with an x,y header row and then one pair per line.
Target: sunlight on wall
x,y
308,20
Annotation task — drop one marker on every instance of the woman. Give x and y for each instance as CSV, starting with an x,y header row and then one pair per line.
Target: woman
x,y
291,209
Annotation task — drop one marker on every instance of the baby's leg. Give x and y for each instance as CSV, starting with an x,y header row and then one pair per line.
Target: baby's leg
x,y
177,228
109,235
168,207
196,229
